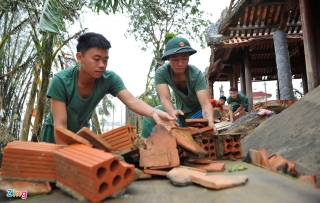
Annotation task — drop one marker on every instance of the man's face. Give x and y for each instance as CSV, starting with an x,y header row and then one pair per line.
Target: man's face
x,y
179,62
94,61
233,94
221,102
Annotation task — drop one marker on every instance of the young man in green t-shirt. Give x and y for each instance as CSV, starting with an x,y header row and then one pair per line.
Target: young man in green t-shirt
x,y
237,103
187,83
76,91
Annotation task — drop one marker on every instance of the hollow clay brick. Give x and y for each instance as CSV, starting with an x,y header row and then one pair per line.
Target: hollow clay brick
x,y
68,137
121,138
96,141
231,147
93,173
32,161
209,144
161,139
185,140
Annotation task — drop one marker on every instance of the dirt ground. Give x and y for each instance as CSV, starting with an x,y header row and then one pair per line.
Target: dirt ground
x,y
294,134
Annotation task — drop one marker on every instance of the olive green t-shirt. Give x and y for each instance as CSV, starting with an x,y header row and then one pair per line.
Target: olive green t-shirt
x,y
242,99
64,88
195,82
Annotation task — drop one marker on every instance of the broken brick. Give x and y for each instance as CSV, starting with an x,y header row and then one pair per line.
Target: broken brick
x,y
30,187
161,139
121,138
219,181
185,140
181,175
96,141
68,137
210,167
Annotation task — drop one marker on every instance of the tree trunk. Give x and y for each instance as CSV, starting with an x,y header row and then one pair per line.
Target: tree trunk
x,y
46,55
283,65
95,123
27,117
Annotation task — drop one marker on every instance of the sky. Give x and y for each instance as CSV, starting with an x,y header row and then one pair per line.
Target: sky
x,y
131,64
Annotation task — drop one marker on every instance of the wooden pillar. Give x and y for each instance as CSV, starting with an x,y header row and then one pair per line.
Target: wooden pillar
x,y
210,87
283,65
236,74
230,76
242,76
309,30
235,80
303,70
248,76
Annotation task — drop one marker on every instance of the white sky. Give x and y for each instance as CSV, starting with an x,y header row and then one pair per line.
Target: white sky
x,y
131,64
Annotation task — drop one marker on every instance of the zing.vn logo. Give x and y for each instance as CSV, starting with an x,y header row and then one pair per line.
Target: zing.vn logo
x,y
18,193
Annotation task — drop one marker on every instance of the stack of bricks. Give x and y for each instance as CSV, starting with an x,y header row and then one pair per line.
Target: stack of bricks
x,y
30,161
121,138
231,147
91,173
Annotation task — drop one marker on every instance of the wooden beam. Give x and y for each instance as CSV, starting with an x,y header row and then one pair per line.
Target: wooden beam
x,y
225,57
255,2
254,41
262,52
263,26
288,7
279,2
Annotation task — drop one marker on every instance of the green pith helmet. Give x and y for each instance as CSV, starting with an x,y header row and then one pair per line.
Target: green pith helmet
x,y
177,45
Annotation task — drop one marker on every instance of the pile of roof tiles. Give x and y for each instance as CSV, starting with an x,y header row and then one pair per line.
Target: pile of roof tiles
x,y
88,167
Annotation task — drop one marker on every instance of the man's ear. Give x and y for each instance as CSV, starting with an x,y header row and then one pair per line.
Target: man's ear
x,y
79,57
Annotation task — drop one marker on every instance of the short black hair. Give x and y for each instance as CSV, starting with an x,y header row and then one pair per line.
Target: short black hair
x,y
89,40
233,89
223,98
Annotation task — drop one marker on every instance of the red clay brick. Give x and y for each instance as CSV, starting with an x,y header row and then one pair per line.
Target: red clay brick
x,y
198,122
231,147
29,161
68,137
209,144
161,139
96,141
120,138
93,173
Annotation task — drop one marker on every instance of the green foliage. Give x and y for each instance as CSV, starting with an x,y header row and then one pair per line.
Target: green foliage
x,y
154,22
56,12
169,36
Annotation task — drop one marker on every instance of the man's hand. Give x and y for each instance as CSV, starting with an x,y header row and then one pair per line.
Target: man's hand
x,y
211,124
167,121
176,113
